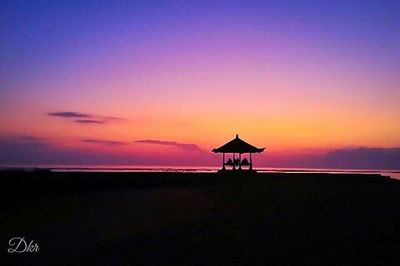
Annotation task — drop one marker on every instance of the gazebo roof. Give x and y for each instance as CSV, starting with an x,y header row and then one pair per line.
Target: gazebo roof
x,y
238,146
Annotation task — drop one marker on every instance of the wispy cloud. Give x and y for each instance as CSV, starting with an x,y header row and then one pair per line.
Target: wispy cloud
x,y
32,139
184,146
104,142
69,114
363,157
83,118
89,121
29,140
339,158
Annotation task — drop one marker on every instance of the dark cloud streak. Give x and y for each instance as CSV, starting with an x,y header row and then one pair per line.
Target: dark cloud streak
x,y
69,114
104,142
184,146
89,121
83,118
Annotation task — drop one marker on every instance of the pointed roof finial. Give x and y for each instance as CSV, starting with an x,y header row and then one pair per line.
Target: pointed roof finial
x,y
237,136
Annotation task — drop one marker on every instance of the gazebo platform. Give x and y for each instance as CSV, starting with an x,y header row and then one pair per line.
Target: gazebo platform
x,y
237,171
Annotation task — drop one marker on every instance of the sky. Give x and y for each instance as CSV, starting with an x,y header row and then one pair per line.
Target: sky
x,y
163,82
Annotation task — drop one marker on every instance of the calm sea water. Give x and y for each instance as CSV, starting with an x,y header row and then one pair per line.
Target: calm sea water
x,y
395,174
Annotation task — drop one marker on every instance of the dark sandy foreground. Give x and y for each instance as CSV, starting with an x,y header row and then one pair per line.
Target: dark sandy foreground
x,y
201,219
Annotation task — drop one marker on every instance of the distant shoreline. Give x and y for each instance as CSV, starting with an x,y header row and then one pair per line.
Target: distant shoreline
x,y
187,168
392,173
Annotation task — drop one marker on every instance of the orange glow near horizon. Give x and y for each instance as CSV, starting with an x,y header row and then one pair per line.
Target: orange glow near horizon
x,y
290,131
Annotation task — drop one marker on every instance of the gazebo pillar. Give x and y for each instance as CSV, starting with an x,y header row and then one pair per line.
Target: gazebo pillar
x,y
251,162
223,161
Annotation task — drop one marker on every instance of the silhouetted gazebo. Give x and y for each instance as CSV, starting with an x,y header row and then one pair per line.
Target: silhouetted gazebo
x,y
237,146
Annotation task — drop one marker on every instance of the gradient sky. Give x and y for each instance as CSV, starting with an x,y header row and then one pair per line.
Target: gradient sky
x,y
163,82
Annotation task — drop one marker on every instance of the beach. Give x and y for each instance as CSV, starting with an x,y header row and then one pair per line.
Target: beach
x,y
201,218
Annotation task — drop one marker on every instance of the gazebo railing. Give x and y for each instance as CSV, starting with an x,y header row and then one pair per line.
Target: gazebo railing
x,y
237,163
